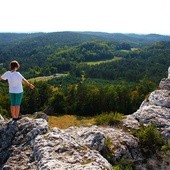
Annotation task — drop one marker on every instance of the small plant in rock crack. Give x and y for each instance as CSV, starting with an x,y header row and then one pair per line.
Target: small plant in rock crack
x,y
150,138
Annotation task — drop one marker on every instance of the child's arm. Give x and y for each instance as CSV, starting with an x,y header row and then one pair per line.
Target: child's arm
x,y
31,86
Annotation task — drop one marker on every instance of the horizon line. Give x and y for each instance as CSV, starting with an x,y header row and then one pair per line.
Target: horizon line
x,y
34,32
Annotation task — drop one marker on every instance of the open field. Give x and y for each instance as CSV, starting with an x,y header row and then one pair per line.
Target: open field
x,y
134,49
46,78
66,121
104,61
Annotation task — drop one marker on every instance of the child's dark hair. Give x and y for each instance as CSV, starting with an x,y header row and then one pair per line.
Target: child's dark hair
x,y
14,64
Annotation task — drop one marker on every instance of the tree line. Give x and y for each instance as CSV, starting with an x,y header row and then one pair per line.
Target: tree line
x,y
88,97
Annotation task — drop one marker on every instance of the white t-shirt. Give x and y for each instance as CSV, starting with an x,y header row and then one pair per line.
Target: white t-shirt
x,y
14,80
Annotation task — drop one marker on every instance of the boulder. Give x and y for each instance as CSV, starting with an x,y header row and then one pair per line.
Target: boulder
x,y
120,144
1,118
131,122
16,139
60,150
42,115
165,84
160,98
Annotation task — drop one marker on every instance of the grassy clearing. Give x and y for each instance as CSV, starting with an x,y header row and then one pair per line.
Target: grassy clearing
x,y
46,78
43,78
125,51
66,121
104,61
134,49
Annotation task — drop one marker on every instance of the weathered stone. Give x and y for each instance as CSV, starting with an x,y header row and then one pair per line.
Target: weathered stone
x,y
165,84
1,118
131,122
27,144
15,141
154,109
89,136
160,98
42,115
122,144
58,149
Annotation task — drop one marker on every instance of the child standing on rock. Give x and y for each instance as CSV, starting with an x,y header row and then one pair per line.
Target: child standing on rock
x,y
15,80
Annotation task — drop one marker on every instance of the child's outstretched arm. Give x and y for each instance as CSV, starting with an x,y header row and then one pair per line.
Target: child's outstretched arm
x,y
31,86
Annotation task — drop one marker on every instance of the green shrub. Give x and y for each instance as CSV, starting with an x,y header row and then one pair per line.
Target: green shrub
x,y
124,164
166,148
109,118
4,113
107,151
150,138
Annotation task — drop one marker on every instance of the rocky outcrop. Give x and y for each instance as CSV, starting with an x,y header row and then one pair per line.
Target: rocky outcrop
x,y
16,140
154,109
121,144
165,84
60,150
29,144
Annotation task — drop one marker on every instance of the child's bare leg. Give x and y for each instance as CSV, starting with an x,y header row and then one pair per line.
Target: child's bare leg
x,y
17,111
12,108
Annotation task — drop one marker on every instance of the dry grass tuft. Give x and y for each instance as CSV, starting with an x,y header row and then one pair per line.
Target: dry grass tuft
x,y
66,121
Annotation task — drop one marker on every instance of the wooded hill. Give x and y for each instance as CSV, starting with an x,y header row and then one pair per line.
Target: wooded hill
x,y
118,70
49,53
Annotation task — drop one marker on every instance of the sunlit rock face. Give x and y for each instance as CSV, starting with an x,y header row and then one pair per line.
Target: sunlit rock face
x,y
165,84
16,139
154,109
29,144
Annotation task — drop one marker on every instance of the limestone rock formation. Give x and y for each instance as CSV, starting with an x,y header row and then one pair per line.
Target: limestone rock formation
x,y
154,109
29,144
165,84
16,141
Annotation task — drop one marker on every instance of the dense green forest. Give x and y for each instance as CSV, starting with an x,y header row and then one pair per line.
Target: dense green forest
x,y
104,72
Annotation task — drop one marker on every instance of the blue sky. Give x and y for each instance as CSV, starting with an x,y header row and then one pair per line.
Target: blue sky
x,y
123,16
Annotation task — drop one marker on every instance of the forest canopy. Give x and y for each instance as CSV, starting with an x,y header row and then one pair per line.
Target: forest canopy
x,y
104,72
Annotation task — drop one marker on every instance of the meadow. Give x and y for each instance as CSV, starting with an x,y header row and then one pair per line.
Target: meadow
x,y
46,78
103,61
